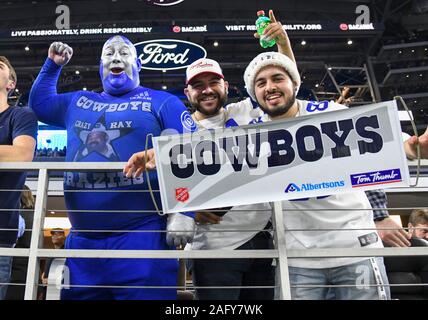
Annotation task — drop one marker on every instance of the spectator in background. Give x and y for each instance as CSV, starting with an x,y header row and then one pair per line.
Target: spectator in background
x,y
58,241
18,130
418,224
343,98
49,152
408,274
20,264
391,233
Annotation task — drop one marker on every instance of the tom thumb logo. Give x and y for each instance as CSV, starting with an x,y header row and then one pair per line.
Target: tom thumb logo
x,y
164,2
168,54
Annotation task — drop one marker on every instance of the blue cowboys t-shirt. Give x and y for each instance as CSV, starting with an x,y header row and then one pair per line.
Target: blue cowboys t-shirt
x,y
101,128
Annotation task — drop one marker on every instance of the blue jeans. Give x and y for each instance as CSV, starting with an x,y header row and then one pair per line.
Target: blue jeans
x,y
5,269
236,272
358,281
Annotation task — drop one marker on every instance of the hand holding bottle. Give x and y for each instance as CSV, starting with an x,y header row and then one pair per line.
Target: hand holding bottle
x,y
273,32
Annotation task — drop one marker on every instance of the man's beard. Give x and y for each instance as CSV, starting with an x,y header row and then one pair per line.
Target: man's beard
x,y
280,110
222,100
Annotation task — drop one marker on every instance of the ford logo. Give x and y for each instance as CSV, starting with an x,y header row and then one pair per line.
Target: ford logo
x,y
165,2
168,54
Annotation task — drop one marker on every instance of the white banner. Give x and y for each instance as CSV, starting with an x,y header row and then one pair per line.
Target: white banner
x,y
309,156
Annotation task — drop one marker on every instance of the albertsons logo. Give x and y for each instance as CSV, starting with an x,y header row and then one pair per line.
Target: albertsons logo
x,y
164,2
292,187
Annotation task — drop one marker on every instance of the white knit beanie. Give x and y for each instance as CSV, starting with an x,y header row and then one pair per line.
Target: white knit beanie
x,y
265,59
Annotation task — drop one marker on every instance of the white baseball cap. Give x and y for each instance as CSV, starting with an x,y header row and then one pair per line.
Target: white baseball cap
x,y
203,65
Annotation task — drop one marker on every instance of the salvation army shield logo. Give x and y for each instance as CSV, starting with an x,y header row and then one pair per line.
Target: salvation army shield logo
x,y
182,194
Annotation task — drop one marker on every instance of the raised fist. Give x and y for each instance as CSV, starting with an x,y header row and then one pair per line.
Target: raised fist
x,y
60,53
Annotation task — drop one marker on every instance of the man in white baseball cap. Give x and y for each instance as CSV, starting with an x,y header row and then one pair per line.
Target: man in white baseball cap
x,y
207,90
201,66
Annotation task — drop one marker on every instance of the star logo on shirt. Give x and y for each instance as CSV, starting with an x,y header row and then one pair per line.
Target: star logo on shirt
x,y
99,139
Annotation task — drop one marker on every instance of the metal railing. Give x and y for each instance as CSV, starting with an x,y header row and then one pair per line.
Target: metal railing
x,y
279,253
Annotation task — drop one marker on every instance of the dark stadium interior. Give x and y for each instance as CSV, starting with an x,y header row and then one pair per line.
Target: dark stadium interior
x,y
385,59
393,55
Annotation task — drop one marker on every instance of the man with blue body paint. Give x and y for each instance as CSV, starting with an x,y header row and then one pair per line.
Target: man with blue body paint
x,y
111,126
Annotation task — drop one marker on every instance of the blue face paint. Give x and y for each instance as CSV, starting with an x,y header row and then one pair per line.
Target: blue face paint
x,y
119,66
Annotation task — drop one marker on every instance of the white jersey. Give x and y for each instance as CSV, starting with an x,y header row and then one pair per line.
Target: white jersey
x,y
241,223
238,225
323,222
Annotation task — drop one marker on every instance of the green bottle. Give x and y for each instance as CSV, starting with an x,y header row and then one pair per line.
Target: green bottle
x,y
261,23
